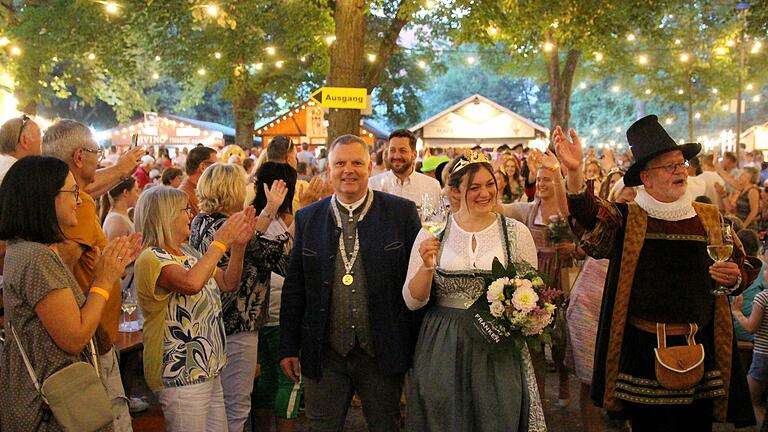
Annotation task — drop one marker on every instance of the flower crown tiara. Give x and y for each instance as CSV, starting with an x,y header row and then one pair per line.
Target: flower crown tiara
x,y
469,157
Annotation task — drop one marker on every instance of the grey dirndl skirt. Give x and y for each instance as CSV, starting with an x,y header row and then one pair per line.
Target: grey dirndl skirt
x,y
457,385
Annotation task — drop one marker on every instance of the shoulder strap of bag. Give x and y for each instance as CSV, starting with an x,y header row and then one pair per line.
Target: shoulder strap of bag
x,y
31,371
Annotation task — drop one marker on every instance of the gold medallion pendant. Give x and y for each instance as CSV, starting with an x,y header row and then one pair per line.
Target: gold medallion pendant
x,y
347,279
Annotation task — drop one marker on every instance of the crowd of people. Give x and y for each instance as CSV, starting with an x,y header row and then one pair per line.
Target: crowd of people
x,y
291,278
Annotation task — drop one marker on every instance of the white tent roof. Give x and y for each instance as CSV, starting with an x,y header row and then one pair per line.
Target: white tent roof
x,y
491,121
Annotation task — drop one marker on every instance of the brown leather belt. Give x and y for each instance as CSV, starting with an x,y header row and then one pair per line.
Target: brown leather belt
x,y
650,327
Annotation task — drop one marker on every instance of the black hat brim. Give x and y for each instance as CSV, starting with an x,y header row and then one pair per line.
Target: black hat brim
x,y
632,177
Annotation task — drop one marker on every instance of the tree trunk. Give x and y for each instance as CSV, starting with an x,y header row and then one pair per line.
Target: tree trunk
x,y
244,105
560,85
346,68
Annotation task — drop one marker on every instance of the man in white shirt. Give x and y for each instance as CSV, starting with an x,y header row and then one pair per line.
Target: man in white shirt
x,y
19,137
710,177
402,180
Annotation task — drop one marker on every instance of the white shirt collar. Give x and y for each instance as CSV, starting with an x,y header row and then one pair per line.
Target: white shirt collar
x,y
397,180
352,207
674,211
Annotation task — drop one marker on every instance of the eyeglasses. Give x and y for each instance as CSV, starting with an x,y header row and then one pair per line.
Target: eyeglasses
x,y
75,191
24,120
671,168
99,152
189,211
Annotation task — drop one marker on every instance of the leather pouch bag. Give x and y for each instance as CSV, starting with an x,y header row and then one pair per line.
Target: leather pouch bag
x,y
74,394
678,367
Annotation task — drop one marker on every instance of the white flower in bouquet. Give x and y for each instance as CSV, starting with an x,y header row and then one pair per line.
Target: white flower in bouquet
x,y
496,289
525,298
497,309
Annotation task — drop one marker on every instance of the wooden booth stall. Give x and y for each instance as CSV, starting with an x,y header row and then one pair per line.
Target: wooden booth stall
x,y
173,132
305,123
478,120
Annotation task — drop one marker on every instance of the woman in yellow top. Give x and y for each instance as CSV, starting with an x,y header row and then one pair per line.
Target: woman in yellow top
x,y
184,343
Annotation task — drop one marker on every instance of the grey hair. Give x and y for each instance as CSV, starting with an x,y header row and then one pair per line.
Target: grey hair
x,y
154,215
64,137
9,135
350,139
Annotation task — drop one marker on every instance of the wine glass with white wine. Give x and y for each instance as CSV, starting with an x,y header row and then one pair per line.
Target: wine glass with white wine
x,y
720,252
129,305
433,214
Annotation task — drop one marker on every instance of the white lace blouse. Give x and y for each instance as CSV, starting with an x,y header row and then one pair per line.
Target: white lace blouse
x,y
457,252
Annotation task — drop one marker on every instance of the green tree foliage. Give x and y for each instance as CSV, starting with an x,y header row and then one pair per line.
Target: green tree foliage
x,y
118,58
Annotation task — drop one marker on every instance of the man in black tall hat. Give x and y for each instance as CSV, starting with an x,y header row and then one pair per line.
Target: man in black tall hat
x,y
662,289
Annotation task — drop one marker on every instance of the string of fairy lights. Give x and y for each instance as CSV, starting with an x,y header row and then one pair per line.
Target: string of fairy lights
x,y
272,59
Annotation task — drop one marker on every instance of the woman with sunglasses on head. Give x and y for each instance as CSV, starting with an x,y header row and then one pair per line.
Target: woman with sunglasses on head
x,y
44,304
476,389
220,193
179,295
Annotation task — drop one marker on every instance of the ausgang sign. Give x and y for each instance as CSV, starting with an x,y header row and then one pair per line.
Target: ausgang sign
x,y
341,97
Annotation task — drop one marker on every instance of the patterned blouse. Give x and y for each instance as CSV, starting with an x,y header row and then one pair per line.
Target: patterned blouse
x,y
183,334
244,309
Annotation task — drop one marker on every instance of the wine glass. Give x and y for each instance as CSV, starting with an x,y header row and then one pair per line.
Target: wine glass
x,y
720,251
128,306
433,214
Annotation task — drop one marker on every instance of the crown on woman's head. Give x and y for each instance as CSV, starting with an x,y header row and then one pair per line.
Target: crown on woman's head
x,y
469,157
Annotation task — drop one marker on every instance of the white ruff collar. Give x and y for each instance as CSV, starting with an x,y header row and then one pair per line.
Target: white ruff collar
x,y
674,211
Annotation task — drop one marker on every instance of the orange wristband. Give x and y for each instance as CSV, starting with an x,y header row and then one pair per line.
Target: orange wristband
x,y
100,291
219,245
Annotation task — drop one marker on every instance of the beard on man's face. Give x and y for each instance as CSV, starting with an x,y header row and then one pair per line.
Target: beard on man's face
x,y
404,167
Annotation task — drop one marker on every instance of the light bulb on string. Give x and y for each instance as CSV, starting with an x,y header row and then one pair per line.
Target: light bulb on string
x,y
4,41
155,76
422,64
582,85
615,88
212,10
684,57
598,56
270,50
279,64
648,91
157,58
549,46
720,51
471,60
756,47
642,59
217,55
201,71
715,91
697,115
111,8
371,58
750,86
16,51
680,91
631,37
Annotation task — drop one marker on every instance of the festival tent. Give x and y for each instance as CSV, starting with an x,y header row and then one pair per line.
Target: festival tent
x,y
756,137
478,120
305,123
172,132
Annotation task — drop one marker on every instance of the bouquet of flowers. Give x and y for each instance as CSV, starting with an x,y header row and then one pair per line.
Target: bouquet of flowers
x,y
558,229
517,304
